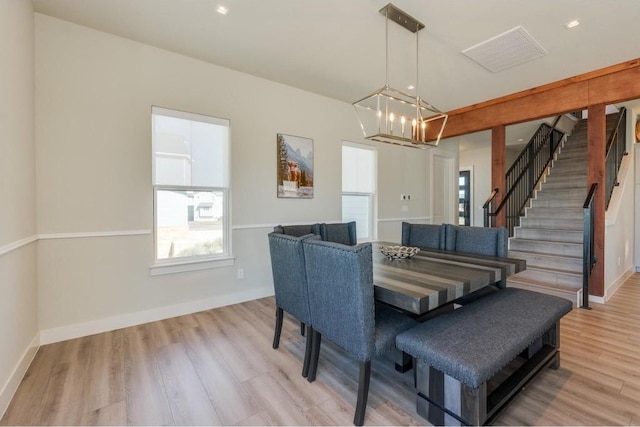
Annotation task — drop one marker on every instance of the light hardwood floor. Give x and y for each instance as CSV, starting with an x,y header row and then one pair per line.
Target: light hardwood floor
x,y
218,367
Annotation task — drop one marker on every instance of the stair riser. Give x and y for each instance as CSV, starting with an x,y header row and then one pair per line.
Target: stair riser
x,y
567,166
554,261
559,194
551,223
573,297
568,180
553,278
550,248
573,155
560,203
549,235
561,213
561,185
568,173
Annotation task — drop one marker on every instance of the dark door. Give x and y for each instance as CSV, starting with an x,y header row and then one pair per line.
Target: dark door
x,y
464,198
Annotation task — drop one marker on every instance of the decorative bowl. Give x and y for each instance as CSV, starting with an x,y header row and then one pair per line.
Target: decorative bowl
x,y
399,252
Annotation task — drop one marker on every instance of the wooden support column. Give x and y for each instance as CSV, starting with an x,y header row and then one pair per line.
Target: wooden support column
x,y
596,151
498,171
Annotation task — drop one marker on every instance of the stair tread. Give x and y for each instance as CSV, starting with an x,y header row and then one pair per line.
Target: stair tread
x,y
542,254
526,281
554,270
550,242
562,230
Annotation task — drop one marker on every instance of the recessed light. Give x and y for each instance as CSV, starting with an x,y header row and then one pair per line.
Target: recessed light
x,y
572,24
222,10
411,87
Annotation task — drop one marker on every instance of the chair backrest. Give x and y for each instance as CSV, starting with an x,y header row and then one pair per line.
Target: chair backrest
x,y
289,275
477,240
430,236
341,298
344,233
297,230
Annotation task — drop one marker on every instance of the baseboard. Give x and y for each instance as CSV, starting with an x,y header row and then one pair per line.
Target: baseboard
x,y
11,385
611,289
597,300
48,336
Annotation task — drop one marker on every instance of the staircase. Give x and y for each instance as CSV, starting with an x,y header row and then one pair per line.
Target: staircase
x,y
550,234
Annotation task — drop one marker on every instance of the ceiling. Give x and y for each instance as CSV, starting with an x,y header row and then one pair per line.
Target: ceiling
x,y
336,48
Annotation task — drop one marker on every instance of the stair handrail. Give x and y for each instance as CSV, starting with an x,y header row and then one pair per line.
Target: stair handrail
x,y
532,152
616,149
487,206
588,250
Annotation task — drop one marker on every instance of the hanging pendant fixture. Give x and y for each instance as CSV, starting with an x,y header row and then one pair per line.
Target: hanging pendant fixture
x,y
394,116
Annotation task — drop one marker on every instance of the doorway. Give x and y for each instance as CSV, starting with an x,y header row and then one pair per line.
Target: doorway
x,y
464,198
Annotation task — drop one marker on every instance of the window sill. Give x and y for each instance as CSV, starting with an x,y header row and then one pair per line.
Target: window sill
x,y
184,266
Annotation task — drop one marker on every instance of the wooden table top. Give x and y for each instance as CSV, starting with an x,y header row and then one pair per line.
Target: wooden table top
x,y
433,278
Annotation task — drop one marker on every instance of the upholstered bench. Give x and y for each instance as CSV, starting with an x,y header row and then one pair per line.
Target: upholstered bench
x,y
462,357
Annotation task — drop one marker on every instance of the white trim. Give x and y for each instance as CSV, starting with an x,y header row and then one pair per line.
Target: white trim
x,y
424,218
83,235
254,226
190,265
11,385
17,244
250,226
77,330
615,285
597,300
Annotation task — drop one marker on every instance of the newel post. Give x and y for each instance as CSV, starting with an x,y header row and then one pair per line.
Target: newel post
x,y
498,170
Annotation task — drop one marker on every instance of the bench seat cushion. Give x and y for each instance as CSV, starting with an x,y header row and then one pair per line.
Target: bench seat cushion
x,y
473,343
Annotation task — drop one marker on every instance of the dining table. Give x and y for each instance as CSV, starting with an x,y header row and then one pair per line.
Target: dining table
x,y
428,283
435,278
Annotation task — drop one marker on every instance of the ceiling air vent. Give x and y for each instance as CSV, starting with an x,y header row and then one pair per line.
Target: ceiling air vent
x,y
506,50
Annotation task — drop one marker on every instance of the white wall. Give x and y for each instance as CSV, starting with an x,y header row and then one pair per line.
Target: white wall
x,y
93,103
18,305
620,218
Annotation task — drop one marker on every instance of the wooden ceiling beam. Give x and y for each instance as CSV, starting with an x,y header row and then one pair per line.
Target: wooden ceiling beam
x,y
610,85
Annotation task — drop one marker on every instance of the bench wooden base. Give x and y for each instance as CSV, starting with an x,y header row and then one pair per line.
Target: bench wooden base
x,y
443,400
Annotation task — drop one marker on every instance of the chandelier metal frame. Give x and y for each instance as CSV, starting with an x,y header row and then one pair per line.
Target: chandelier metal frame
x,y
412,116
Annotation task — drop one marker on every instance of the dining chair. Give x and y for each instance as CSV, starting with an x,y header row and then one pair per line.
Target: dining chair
x,y
343,309
430,236
344,233
477,240
490,241
297,230
290,286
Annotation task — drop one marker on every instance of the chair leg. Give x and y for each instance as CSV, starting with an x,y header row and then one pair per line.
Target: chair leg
x,y
278,329
316,340
307,352
302,328
363,392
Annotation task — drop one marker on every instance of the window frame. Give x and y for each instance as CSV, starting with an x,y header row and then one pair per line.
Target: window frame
x,y
193,262
373,196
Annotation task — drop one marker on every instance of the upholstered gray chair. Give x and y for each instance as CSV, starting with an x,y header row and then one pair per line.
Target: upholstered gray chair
x,y
477,240
344,233
343,310
480,241
290,285
430,236
297,230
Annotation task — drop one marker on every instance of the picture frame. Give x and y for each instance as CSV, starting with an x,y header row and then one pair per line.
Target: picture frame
x,y
294,167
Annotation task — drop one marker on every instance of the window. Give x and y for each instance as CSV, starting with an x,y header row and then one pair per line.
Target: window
x,y
358,187
190,186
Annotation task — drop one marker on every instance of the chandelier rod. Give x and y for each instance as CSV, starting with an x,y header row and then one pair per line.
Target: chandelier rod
x,y
386,37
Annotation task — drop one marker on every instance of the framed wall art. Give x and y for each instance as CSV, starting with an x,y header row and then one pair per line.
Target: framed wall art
x,y
295,167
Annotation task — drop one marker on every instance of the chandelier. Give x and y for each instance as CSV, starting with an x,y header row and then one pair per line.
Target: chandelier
x,y
394,116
